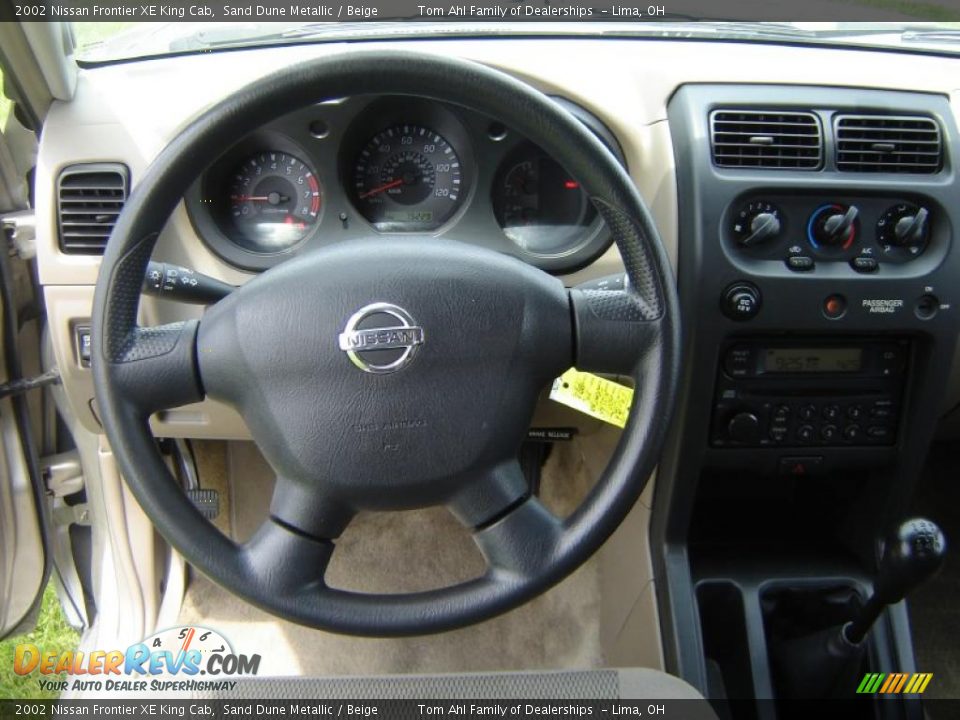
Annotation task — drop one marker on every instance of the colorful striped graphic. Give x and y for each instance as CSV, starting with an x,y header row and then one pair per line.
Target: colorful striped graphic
x,y
894,683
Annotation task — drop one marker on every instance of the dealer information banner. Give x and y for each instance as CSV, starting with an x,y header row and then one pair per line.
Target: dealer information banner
x,y
479,10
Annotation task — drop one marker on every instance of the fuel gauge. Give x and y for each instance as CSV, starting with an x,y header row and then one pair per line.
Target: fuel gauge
x,y
540,207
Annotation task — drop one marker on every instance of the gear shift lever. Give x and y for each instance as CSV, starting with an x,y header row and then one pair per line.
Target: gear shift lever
x,y
826,663
912,555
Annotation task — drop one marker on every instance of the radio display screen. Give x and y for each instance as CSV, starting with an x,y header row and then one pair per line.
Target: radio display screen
x,y
813,360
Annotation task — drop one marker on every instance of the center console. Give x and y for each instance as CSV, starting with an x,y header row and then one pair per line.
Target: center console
x,y
819,283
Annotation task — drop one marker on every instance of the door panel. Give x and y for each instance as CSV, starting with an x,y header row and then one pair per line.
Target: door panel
x,y
23,558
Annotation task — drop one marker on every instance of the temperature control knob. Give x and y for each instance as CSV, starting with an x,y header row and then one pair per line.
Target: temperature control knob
x,y
833,226
904,227
756,223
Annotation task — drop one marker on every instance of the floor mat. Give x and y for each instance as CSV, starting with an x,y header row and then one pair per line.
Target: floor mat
x,y
409,551
935,607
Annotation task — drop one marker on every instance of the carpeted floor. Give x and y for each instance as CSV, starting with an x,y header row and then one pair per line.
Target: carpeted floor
x,y
403,552
935,607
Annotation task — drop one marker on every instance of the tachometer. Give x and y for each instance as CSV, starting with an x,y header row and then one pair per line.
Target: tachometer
x,y
275,201
407,177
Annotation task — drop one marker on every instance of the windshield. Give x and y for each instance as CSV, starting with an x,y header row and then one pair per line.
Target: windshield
x,y
113,41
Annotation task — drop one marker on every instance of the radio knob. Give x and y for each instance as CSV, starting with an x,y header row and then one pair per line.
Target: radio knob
x,y
744,427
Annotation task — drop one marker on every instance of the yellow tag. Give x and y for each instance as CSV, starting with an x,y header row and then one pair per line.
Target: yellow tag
x,y
596,396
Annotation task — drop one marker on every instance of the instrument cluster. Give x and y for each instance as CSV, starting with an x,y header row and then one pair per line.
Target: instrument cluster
x,y
365,166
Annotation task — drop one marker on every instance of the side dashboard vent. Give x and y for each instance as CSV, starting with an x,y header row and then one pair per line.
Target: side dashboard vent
x,y
89,200
888,143
766,139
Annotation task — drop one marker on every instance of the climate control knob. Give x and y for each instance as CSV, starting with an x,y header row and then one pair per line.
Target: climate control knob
x,y
905,226
756,223
833,226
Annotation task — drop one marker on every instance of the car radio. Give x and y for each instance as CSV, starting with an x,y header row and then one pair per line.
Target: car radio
x,y
809,392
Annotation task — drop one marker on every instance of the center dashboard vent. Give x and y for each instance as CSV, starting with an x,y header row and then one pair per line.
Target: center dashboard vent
x,y
89,200
888,143
766,139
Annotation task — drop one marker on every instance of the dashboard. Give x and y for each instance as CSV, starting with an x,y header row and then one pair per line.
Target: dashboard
x,y
365,166
303,181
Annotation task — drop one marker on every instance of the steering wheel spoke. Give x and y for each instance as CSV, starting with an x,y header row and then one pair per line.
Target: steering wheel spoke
x,y
155,368
522,541
614,330
286,559
309,508
515,532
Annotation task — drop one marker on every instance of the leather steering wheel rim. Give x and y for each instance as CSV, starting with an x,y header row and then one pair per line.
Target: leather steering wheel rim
x,y
138,371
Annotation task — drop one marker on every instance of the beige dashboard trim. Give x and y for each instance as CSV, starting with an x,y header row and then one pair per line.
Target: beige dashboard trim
x,y
129,112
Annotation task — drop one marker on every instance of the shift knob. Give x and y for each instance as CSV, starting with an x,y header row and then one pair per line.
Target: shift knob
x,y
912,554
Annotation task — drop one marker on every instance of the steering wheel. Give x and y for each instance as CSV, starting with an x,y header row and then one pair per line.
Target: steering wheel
x,y
388,373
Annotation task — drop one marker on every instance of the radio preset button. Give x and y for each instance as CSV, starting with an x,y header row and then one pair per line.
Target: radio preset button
x,y
806,433
831,412
855,412
829,433
808,412
851,433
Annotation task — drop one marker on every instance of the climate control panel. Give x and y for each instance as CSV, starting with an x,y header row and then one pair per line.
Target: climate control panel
x,y
805,232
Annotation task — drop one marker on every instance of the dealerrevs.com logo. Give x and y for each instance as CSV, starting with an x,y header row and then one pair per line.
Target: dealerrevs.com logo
x,y
170,661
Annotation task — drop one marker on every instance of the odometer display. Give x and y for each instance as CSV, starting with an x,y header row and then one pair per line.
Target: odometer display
x,y
275,201
407,177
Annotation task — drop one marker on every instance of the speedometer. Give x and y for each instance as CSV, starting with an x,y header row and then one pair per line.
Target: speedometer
x,y
407,177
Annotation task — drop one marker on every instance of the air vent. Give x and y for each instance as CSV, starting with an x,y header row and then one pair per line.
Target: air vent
x,y
888,143
766,139
89,200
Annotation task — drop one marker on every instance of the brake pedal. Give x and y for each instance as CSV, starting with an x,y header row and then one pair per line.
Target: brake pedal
x,y
206,501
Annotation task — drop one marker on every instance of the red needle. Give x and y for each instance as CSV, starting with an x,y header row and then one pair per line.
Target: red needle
x,y
252,198
368,193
